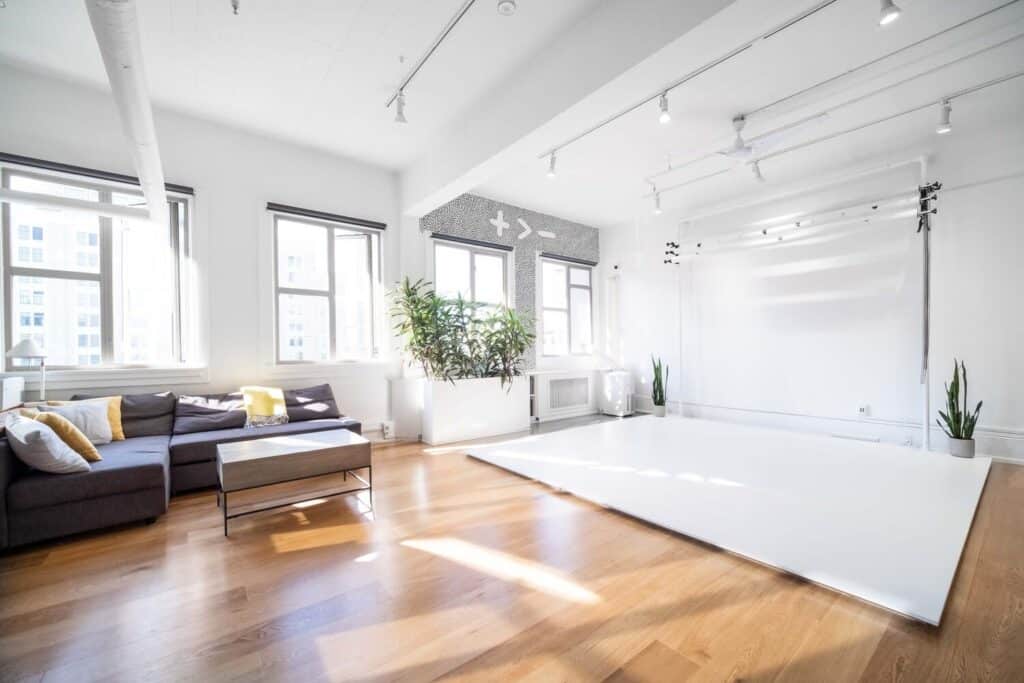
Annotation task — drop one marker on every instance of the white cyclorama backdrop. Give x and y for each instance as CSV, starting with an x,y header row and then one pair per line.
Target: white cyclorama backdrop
x,y
845,514
803,336
235,174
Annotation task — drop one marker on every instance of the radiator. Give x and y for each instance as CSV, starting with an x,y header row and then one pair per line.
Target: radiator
x,y
563,394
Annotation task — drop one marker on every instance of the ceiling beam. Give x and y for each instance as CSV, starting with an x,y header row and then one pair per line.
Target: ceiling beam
x,y
115,24
531,110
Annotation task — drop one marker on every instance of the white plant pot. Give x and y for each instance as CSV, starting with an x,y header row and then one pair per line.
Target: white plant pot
x,y
659,411
961,448
474,408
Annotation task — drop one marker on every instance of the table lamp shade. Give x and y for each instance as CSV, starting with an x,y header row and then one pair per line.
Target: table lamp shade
x,y
26,348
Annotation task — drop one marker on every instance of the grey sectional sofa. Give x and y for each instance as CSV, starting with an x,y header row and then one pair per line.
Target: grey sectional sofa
x,y
170,447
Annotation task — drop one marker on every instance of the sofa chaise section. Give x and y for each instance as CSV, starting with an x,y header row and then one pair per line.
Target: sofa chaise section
x,y
130,484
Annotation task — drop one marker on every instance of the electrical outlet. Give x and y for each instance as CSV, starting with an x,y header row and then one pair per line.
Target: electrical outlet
x,y
864,410
387,429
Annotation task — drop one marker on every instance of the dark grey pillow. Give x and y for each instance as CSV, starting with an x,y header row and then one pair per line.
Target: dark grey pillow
x,y
206,413
311,403
144,414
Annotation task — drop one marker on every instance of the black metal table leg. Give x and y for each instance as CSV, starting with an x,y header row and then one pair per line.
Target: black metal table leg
x,y
225,509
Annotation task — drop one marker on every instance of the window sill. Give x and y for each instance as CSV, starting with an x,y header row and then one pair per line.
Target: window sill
x,y
101,378
331,368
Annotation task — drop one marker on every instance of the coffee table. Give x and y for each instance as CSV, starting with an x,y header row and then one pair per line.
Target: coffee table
x,y
258,462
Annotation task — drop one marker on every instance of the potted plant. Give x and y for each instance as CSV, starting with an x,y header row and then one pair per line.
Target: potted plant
x,y
658,386
472,357
957,420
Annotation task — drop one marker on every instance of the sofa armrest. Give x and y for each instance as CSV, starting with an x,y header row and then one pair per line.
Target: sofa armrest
x,y
10,466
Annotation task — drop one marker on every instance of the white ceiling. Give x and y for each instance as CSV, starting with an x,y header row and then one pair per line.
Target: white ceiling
x,y
315,72
601,178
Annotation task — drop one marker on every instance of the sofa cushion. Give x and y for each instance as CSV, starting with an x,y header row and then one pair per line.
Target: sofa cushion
x,y
206,413
202,446
311,403
145,414
130,465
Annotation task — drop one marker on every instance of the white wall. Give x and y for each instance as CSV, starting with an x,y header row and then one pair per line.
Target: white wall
x,y
800,337
235,174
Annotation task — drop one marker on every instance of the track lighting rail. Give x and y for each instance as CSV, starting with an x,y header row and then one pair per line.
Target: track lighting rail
x,y
430,51
831,136
691,75
841,105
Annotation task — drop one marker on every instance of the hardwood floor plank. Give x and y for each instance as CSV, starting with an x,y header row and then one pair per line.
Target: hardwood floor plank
x,y
465,572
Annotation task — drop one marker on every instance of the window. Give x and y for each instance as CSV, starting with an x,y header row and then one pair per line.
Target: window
x,y
566,301
327,288
117,280
477,273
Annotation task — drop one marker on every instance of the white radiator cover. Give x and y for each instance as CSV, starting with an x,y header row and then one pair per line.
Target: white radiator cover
x,y
561,394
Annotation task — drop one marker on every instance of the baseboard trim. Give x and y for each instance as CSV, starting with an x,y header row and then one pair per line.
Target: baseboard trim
x,y
1002,444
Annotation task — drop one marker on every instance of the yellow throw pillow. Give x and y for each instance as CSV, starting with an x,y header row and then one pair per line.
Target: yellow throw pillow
x,y
264,406
113,414
70,434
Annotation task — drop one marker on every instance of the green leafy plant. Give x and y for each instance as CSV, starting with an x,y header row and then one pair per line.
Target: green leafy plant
x,y
958,421
658,382
458,339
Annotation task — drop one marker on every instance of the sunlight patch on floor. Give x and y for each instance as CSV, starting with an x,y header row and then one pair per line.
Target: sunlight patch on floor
x,y
506,567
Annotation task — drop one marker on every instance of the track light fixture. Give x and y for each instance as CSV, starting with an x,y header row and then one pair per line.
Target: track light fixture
x,y
234,5
657,203
889,13
506,7
664,117
400,108
945,126
551,166
755,168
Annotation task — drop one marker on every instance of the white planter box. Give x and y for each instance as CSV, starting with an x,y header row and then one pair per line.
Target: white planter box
x,y
474,408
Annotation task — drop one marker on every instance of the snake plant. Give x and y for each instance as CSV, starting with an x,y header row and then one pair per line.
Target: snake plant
x,y
658,382
958,421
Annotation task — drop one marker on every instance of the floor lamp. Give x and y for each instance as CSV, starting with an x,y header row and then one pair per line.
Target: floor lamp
x,y
27,349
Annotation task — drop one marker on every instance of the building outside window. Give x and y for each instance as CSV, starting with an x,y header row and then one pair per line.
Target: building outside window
x,y
92,290
327,276
566,308
476,273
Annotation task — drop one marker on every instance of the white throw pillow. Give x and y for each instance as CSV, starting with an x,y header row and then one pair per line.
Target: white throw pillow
x,y
89,416
39,447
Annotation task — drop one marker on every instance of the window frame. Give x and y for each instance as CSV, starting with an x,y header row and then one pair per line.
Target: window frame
x,y
474,250
179,227
568,265
374,266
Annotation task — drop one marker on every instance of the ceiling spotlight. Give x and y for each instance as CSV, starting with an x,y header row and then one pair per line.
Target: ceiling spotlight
x,y
235,4
755,168
506,7
657,203
551,166
400,108
665,117
889,13
944,124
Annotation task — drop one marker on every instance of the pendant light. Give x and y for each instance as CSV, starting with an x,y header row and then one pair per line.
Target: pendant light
x,y
664,117
551,166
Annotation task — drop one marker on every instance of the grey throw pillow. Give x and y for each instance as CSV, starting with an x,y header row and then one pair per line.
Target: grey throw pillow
x,y
145,414
39,447
311,403
209,412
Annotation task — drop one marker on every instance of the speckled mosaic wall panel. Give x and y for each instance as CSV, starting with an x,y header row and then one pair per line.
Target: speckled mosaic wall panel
x,y
528,233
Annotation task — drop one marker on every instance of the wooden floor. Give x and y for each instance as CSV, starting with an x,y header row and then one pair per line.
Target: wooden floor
x,y
466,572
